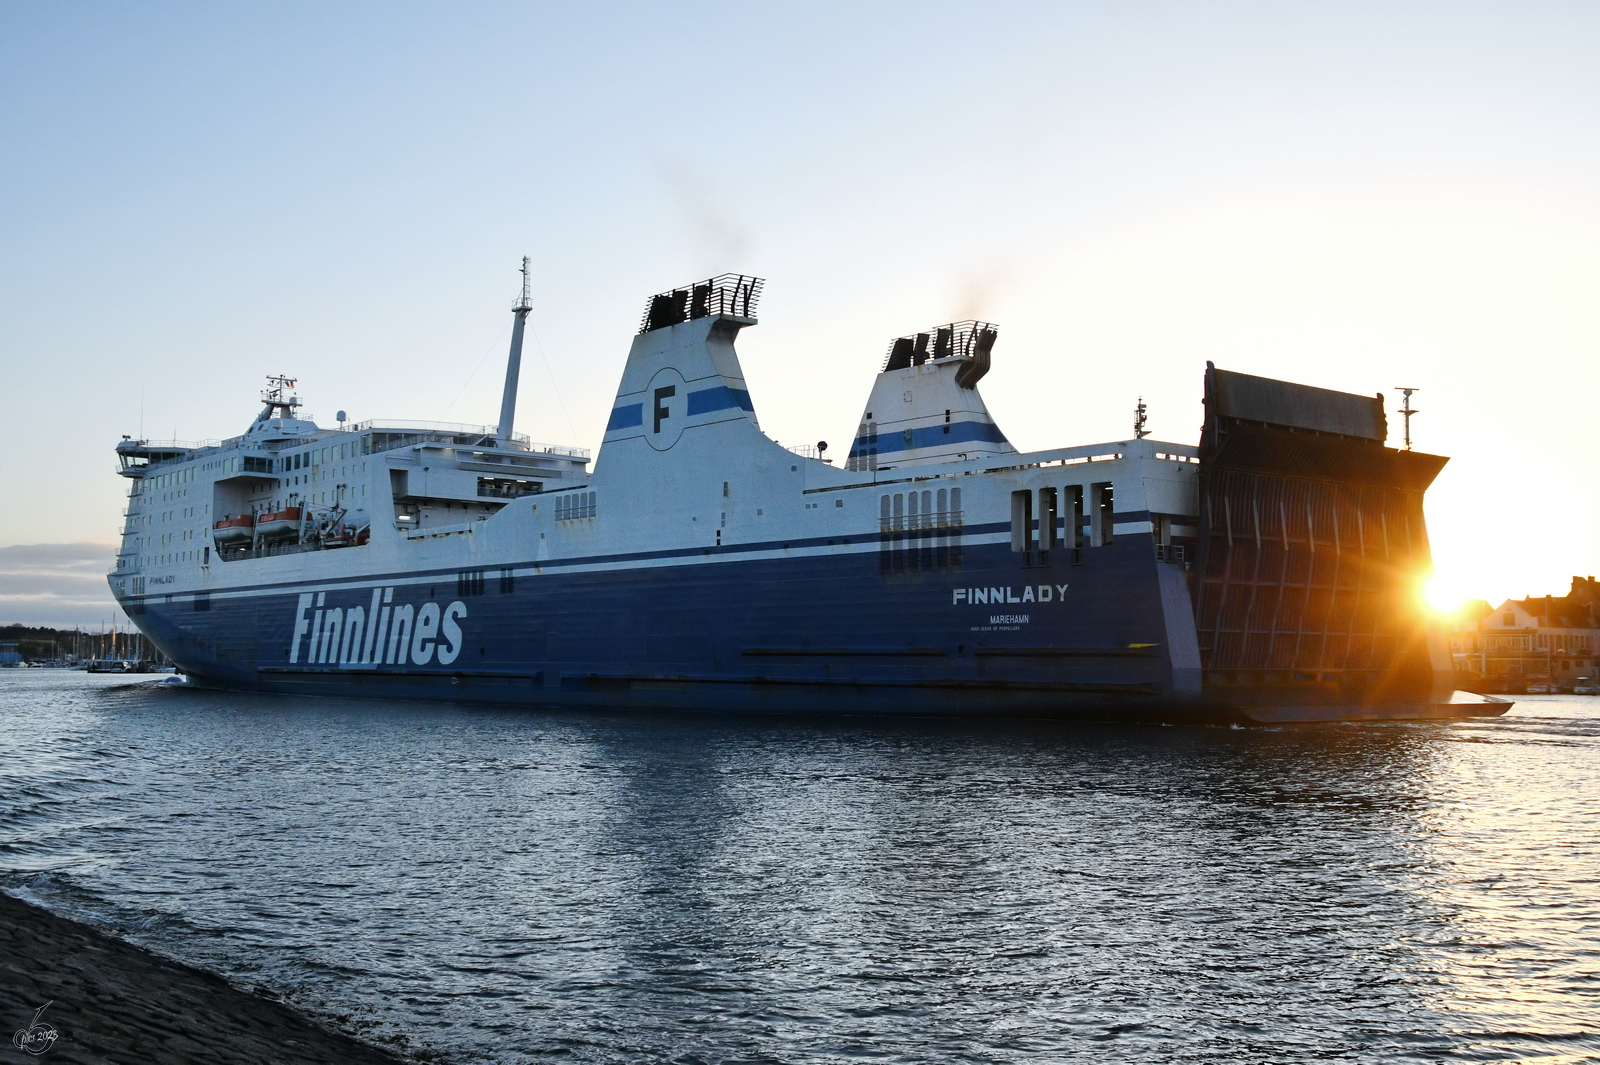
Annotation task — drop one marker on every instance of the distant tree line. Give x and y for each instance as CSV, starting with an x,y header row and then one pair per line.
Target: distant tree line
x,y
39,643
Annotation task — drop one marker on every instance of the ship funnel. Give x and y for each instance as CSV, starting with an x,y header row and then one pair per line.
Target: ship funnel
x,y
508,400
925,407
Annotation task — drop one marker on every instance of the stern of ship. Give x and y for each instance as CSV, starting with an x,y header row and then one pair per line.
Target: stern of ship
x,y
1312,549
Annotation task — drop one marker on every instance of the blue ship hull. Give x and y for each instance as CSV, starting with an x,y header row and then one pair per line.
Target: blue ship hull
x,y
853,633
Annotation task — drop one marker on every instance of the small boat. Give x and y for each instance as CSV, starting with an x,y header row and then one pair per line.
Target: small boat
x,y
279,524
233,530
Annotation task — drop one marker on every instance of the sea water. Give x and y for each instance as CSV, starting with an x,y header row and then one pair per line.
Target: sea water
x,y
511,884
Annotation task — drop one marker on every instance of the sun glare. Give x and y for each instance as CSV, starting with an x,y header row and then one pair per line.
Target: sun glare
x,y
1443,595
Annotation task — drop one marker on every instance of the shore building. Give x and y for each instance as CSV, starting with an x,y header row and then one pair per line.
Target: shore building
x,y
1541,641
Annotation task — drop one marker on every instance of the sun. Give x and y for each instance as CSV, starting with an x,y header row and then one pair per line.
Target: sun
x,y
1443,595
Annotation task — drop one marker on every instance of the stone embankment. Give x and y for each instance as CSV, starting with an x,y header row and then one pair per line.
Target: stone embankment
x,y
112,1003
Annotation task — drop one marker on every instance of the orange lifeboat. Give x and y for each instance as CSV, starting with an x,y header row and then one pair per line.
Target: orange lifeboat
x,y
233,530
279,524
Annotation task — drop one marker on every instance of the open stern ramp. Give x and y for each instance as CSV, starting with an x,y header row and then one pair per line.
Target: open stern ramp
x,y
1312,549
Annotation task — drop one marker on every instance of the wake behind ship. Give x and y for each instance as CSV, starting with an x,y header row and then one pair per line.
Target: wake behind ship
x,y
1268,575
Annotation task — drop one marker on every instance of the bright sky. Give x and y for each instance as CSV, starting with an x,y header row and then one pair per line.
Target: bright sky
x,y
1357,196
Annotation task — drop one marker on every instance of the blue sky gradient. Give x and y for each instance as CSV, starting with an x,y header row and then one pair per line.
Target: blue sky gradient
x,y
1353,195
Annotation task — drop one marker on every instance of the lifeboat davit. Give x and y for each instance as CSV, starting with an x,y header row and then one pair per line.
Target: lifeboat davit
x,y
279,524
233,530
339,536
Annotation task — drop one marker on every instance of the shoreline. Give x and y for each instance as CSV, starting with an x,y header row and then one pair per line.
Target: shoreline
x,y
113,1002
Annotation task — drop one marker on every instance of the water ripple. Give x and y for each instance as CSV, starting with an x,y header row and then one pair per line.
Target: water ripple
x,y
506,885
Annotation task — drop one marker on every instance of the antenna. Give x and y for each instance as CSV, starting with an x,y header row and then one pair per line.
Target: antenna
x,y
1407,411
1139,421
524,304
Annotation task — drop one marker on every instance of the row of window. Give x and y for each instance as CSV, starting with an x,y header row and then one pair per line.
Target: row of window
x,y
919,532
322,456
164,480
1568,644
326,474
575,505
299,460
473,582
172,558
508,487
919,510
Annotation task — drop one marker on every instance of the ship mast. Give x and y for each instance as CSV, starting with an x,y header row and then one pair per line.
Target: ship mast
x,y
1407,411
508,401
279,398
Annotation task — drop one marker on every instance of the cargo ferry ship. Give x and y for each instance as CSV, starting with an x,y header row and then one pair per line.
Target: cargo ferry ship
x,y
1267,575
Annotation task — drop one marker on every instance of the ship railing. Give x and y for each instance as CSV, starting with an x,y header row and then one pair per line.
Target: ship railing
x,y
166,445
445,428
939,519
733,295
561,449
409,433
1087,453
176,451
243,440
1002,463
956,340
439,531
272,550
415,431
415,439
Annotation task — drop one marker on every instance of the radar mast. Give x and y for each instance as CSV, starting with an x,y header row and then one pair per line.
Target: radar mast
x,y
279,398
1406,412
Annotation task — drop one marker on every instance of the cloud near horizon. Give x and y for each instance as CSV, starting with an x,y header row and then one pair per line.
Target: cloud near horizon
x,y
58,585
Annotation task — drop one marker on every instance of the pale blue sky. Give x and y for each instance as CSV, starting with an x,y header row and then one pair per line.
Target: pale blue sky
x,y
1353,195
